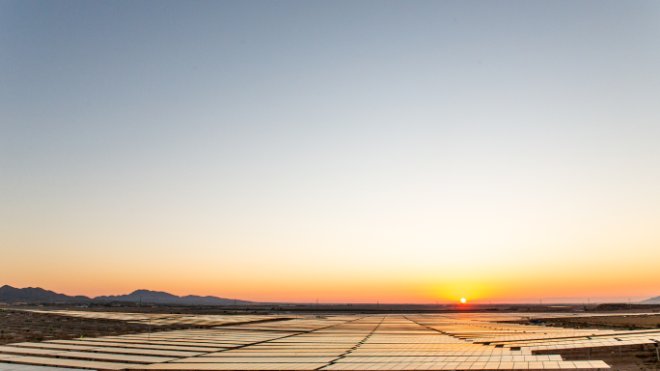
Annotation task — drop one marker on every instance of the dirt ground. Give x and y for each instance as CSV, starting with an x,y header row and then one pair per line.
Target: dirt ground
x,y
620,322
19,326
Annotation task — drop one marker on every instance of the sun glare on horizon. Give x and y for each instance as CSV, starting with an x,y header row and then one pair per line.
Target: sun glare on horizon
x,y
463,300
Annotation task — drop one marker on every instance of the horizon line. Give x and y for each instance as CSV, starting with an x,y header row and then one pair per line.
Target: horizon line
x,y
541,301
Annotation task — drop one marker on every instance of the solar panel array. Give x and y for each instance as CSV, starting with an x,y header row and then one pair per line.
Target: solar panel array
x,y
347,342
158,319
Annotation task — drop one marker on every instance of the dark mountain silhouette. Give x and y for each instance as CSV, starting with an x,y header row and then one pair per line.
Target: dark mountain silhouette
x,y
655,300
160,297
36,295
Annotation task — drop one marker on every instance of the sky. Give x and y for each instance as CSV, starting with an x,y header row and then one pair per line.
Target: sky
x,y
339,151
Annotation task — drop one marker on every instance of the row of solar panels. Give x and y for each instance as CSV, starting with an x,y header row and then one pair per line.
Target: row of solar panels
x,y
305,343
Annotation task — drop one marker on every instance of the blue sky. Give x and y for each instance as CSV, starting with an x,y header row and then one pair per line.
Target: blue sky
x,y
453,131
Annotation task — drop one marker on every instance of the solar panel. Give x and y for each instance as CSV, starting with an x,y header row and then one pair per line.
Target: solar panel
x,y
346,342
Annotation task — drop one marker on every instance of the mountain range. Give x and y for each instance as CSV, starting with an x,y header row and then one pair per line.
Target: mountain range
x,y
161,297
655,300
10,295
37,295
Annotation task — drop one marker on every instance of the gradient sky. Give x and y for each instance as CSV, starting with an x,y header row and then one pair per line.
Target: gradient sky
x,y
335,150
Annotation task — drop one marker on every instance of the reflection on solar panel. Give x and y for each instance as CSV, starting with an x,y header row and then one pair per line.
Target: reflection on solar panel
x,y
154,319
347,342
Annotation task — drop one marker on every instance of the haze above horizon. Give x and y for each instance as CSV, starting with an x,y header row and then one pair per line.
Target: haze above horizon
x,y
407,152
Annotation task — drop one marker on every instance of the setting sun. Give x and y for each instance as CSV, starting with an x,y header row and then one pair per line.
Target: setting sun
x,y
463,300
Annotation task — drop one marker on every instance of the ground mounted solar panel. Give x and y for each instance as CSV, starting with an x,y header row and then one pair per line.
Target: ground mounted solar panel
x,y
347,342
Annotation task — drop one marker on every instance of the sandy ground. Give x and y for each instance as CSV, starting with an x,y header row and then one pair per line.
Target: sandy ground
x,y
19,326
614,321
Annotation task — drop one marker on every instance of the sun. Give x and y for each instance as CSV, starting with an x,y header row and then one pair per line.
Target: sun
x,y
463,300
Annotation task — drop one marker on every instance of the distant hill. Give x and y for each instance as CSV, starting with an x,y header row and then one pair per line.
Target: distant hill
x,y
655,300
37,295
160,297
